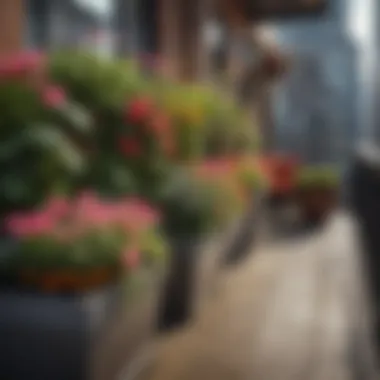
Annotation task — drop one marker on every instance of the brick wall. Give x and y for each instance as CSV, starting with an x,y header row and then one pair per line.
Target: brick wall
x,y
11,25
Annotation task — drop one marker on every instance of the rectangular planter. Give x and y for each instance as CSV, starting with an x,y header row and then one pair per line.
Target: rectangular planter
x,y
72,337
176,306
193,269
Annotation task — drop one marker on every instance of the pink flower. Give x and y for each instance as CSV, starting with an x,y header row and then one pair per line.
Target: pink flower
x,y
131,258
53,96
57,207
20,64
30,225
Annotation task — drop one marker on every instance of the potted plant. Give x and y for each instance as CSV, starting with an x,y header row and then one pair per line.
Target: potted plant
x,y
151,138
280,172
69,261
317,192
189,216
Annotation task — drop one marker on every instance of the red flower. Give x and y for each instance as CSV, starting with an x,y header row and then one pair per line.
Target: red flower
x,y
139,110
53,96
129,147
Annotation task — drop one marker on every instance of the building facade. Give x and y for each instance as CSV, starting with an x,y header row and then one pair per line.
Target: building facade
x,y
171,29
316,106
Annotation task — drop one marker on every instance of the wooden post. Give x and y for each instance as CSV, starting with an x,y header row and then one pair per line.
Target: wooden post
x,y
181,39
168,36
11,26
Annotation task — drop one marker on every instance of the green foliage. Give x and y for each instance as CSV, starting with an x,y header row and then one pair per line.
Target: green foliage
x,y
107,88
38,149
98,83
188,206
318,176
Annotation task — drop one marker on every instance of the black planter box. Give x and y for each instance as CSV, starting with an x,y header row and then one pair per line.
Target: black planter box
x,y
176,306
365,203
71,337
193,270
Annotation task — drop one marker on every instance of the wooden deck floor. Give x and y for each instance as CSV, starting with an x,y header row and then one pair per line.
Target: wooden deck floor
x,y
293,311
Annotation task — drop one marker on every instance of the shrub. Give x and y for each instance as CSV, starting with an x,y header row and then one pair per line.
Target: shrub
x,y
133,141
318,177
40,130
207,123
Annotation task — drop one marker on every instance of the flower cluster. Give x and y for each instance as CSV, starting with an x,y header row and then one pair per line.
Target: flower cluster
x,y
20,65
29,69
147,124
69,221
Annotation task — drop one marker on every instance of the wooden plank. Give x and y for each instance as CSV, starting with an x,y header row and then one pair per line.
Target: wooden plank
x,y
255,10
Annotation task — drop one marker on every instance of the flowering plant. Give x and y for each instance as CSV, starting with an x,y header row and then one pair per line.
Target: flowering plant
x,y
207,123
85,233
280,172
229,195
132,141
38,130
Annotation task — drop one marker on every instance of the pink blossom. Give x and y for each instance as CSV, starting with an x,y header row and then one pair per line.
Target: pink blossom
x,y
53,96
57,207
20,64
64,220
30,225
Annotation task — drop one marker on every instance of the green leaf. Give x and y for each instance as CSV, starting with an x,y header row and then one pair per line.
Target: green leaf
x,y
59,146
77,117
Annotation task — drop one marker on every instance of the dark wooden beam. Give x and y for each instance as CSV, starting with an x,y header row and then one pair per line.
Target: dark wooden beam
x,y
242,11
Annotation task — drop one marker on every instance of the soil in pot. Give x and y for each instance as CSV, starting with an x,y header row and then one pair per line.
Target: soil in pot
x,y
68,281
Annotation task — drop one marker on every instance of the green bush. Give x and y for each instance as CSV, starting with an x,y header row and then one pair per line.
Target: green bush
x,y
317,176
40,134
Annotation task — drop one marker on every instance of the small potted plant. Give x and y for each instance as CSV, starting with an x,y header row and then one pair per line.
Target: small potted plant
x,y
317,192
280,172
193,209
71,261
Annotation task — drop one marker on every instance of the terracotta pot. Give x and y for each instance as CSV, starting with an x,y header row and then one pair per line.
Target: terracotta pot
x,y
68,280
316,204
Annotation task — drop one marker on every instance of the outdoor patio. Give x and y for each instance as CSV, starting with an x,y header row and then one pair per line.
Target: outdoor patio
x,y
295,310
